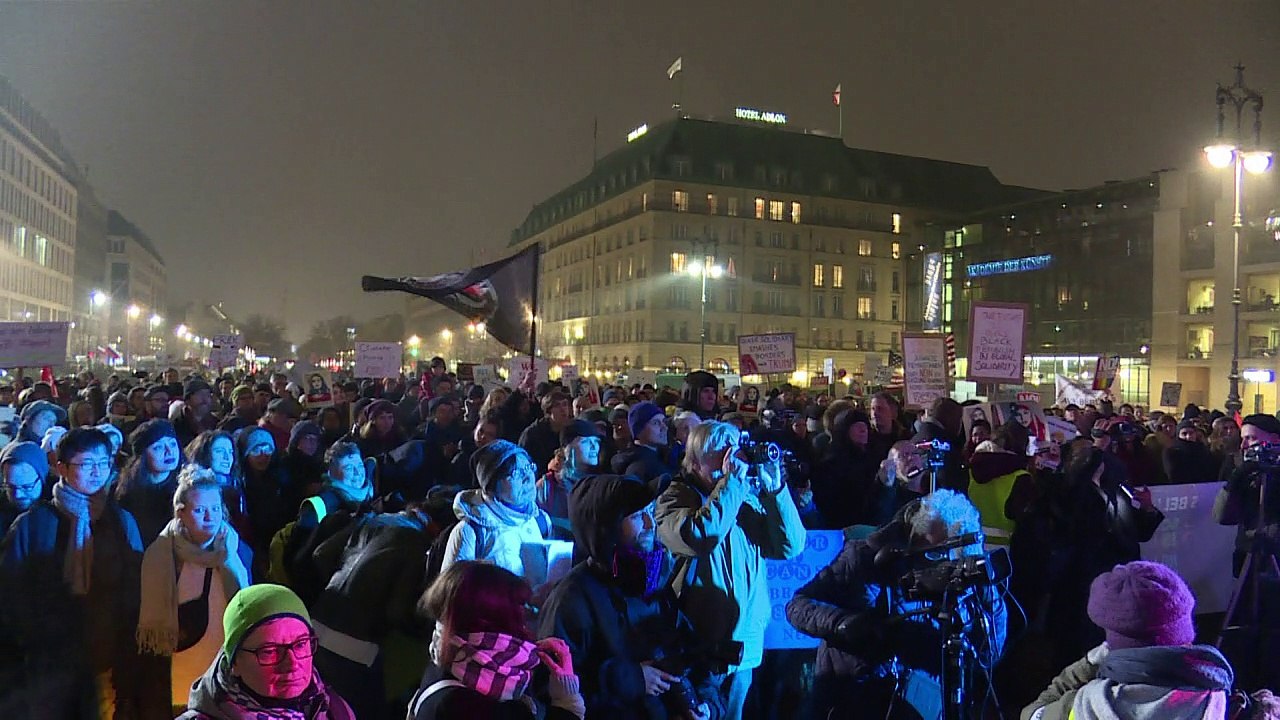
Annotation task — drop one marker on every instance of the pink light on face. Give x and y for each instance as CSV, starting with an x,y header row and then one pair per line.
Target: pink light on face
x,y
286,679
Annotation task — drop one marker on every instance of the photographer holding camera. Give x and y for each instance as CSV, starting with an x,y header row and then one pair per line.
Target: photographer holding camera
x,y
722,524
618,615
882,640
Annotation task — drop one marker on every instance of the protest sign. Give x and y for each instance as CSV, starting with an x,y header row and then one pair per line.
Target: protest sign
x,y
765,354
995,342
973,413
787,576
1060,432
568,373
318,394
750,404
642,377
1071,392
33,344
1029,397
924,369
1105,372
226,351
466,372
546,560
1027,414
377,359
521,364
1192,543
486,376
1171,394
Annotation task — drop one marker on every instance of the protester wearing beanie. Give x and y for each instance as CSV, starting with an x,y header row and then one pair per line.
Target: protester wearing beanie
x,y
647,459
495,520
148,481
1148,667
577,458
303,459
241,684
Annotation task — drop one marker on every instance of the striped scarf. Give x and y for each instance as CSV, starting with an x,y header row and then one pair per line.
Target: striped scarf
x,y
493,664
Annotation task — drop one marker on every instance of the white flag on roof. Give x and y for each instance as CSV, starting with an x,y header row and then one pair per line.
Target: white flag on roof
x,y
675,68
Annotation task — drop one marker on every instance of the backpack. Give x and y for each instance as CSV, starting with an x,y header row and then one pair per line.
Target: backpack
x,y
278,569
435,555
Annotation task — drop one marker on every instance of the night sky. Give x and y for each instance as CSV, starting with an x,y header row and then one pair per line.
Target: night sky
x,y
277,151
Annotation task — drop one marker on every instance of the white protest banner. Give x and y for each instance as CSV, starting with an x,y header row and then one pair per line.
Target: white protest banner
x,y
520,364
1170,394
546,561
1192,543
486,376
568,373
787,576
996,332
642,377
378,359
1071,392
226,350
764,354
924,369
33,344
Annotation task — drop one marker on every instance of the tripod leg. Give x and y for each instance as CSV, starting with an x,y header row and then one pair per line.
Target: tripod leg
x,y
1237,592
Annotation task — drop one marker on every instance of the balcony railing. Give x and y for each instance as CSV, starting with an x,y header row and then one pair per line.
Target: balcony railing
x,y
1198,310
779,279
866,286
1195,353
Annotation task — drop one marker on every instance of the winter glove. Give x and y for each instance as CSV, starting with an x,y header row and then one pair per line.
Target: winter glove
x,y
861,634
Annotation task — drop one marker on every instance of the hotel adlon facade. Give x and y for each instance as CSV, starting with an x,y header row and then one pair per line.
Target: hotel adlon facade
x,y
812,237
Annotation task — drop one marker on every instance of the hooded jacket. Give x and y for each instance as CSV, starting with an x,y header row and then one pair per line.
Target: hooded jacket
x,y
725,538
693,384
1188,682
489,530
609,632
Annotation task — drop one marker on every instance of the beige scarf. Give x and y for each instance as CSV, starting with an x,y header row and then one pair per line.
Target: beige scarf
x,y
83,510
158,616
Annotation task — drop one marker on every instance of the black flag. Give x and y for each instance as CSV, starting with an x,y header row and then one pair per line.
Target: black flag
x,y
500,295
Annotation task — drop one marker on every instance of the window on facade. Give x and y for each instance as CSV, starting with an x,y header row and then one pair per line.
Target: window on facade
x,y
865,311
893,310
759,208
897,223
681,167
819,306
837,276
680,232
867,281
684,330
857,340
724,171
837,306
732,207
896,250
894,285
680,201
795,212
775,209
1064,295
817,275
713,204
678,261
864,247
775,240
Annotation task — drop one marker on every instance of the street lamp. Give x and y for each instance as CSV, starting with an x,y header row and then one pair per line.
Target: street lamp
x,y
1226,153
704,270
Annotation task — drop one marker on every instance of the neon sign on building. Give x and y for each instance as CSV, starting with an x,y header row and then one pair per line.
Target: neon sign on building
x,y
764,116
1012,265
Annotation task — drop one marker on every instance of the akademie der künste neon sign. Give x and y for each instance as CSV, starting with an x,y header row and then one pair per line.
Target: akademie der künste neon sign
x,y
631,136
764,116
1013,265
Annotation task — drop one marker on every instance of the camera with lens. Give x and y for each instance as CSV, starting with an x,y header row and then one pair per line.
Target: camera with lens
x,y
1265,454
933,581
756,453
711,658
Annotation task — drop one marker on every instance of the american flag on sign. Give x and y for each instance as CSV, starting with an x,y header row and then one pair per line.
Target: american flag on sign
x,y
895,359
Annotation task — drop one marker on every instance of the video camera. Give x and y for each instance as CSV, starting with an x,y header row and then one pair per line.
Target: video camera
x,y
714,658
1266,455
933,576
758,452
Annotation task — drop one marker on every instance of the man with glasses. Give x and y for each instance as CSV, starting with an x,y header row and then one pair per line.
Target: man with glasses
x,y
72,564
23,467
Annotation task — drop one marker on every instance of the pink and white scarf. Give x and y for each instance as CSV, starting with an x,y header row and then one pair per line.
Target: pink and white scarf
x,y
493,664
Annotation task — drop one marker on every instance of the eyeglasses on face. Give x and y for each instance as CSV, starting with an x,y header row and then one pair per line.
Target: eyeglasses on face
x,y
272,655
92,465
24,488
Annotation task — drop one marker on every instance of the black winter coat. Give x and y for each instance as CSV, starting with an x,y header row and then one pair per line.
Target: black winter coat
x,y
1190,462
646,464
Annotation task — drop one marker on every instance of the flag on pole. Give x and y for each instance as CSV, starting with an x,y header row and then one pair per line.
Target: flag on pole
x,y
675,68
895,359
835,96
499,294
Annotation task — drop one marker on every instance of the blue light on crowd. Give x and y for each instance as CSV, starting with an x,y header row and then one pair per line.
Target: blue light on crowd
x,y
1013,265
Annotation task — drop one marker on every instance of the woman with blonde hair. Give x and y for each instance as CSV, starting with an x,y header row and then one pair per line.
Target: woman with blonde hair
x,y
189,574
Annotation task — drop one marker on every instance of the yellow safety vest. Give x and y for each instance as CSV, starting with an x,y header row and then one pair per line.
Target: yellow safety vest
x,y
990,498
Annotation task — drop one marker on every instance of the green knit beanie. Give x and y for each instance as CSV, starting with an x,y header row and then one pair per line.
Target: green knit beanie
x,y
255,605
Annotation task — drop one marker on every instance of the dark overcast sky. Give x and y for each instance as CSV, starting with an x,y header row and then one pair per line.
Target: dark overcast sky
x,y
296,145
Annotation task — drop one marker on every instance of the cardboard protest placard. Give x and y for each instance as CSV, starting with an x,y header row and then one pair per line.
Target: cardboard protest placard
x,y
1171,394
226,351
33,344
521,364
1027,414
750,404
1061,432
486,376
317,393
1105,372
568,373
1071,392
996,332
378,359
466,372
1191,542
765,354
785,577
973,413
924,369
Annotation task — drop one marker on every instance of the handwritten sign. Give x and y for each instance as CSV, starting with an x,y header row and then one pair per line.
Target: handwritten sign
x,y
995,342
764,354
924,369
486,376
378,359
568,373
785,577
226,350
1170,394
1190,542
521,364
642,377
33,344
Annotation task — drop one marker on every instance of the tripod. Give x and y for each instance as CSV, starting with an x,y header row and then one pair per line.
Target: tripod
x,y
1242,628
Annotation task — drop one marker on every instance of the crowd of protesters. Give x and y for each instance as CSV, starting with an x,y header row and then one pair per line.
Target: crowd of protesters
x,y
216,547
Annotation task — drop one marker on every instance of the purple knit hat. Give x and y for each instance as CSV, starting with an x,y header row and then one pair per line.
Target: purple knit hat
x,y
1142,604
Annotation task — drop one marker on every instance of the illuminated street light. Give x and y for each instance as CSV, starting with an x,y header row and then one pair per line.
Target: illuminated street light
x,y
134,311
446,335
704,271
180,331
1257,162
1220,155
155,320
98,298
414,341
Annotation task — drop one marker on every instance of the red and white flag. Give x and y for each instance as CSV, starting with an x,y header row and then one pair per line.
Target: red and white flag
x,y
835,96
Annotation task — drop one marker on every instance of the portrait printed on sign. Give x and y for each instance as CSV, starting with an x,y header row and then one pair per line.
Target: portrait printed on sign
x,y
973,413
1027,414
318,394
750,404
1061,432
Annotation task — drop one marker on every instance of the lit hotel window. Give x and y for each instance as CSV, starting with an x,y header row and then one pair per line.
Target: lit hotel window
x,y
680,200
775,209
897,223
795,212
677,262
759,208
864,247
